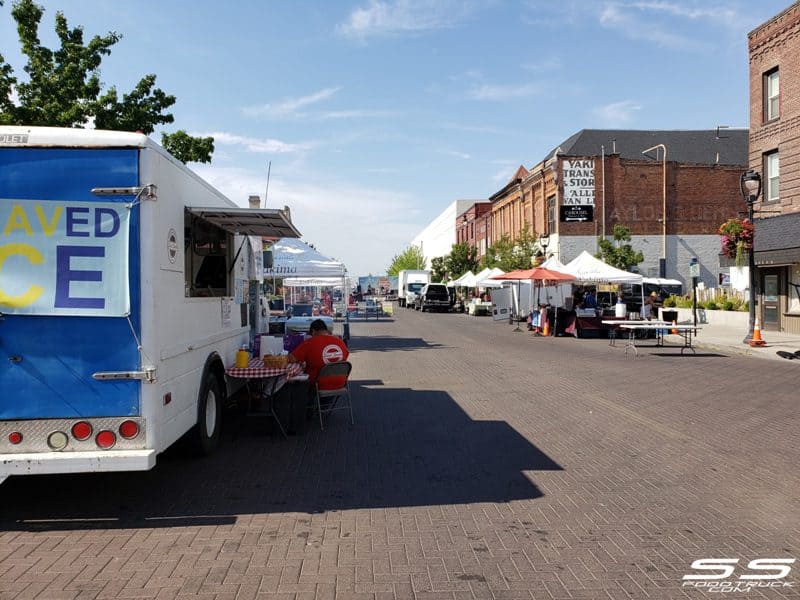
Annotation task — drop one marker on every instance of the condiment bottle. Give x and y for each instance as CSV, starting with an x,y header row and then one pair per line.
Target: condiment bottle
x,y
242,358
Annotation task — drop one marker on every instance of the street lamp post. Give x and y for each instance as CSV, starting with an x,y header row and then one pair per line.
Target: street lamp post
x,y
750,187
662,263
544,241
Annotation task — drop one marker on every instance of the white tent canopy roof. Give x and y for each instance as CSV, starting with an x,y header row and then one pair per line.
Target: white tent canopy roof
x,y
553,264
293,258
466,280
485,281
586,268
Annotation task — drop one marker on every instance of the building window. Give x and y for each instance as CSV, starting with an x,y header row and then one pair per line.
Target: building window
x,y
772,171
551,214
771,95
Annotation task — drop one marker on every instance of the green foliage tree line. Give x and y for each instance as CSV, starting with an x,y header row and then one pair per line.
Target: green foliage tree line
x,y
63,88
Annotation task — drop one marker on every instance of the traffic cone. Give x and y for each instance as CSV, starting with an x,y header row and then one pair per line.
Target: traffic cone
x,y
756,340
546,330
674,322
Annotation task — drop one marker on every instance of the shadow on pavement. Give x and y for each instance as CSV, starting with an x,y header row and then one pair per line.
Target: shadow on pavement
x,y
407,448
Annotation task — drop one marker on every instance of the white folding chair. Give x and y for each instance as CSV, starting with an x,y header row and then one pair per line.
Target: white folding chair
x,y
337,396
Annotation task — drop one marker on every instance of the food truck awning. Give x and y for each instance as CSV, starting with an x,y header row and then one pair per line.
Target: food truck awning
x,y
264,222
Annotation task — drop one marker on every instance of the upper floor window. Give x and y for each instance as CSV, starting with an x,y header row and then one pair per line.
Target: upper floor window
x,y
771,95
772,171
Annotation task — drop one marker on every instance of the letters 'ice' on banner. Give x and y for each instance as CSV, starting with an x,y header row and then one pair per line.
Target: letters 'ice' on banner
x,y
64,258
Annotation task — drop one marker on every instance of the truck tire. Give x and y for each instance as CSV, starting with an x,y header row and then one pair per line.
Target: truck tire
x,y
209,416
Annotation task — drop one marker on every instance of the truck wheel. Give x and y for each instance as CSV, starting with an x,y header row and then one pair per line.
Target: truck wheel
x,y
209,416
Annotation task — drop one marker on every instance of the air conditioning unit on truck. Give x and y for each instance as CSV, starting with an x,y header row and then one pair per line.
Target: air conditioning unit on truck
x,y
124,293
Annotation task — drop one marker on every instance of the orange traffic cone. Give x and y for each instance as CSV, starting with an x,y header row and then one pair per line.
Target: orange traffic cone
x,y
673,330
546,330
756,340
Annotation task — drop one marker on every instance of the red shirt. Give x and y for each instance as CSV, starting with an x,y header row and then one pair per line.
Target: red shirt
x,y
321,350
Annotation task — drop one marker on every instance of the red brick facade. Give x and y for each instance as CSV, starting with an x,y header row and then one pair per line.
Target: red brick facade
x,y
774,51
473,227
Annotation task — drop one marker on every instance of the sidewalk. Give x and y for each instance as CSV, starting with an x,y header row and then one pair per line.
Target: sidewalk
x,y
728,339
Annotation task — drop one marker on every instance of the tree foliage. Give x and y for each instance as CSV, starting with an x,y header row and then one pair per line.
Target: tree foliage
x,y
620,253
438,269
463,257
508,254
410,258
63,87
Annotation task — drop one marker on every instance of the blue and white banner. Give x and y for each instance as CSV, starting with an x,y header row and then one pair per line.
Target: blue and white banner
x,y
64,258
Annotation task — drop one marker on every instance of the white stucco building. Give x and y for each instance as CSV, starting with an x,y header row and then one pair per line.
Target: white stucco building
x,y
437,239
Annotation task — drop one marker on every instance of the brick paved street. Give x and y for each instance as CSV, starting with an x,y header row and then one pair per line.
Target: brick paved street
x,y
483,464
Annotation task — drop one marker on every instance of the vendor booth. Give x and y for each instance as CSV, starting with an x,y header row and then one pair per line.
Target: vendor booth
x,y
587,269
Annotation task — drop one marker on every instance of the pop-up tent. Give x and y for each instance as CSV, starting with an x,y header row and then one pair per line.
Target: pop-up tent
x,y
300,265
588,269
293,258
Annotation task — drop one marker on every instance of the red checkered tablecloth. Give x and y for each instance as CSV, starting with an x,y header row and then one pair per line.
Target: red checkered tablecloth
x,y
256,369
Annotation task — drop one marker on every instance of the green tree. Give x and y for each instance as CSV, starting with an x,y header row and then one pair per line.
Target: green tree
x,y
410,258
508,254
63,87
463,257
620,253
438,269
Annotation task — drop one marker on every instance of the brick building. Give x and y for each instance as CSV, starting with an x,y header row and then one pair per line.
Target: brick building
x,y
774,53
672,189
474,228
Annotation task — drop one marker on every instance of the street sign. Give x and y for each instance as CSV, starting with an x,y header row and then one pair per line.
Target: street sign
x,y
694,268
575,212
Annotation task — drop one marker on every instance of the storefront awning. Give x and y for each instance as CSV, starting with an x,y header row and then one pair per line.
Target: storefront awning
x,y
264,222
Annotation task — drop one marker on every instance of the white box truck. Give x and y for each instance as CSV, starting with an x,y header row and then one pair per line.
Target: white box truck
x,y
124,288
409,284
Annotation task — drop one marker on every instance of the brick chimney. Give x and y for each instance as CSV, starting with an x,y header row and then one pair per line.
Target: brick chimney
x,y
254,201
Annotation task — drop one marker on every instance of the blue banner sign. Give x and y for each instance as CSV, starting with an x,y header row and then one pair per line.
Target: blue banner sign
x,y
64,258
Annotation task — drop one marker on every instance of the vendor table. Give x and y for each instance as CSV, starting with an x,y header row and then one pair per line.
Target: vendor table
x,y
661,328
479,308
265,382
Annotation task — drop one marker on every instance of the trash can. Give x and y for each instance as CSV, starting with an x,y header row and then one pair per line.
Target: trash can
x,y
669,315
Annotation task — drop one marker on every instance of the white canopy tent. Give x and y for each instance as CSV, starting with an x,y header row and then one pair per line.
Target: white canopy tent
x,y
300,265
466,280
588,269
483,279
293,258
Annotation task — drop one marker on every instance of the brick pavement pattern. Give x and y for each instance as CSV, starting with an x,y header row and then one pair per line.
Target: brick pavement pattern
x,y
484,464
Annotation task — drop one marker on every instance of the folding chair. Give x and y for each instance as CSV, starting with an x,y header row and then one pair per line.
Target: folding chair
x,y
340,369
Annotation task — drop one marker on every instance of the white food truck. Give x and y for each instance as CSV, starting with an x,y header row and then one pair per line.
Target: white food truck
x,y
127,284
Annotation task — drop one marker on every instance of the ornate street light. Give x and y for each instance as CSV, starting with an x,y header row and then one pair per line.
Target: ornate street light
x,y
544,241
750,187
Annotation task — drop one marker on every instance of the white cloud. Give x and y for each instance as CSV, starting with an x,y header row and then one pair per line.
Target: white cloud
x,y
329,213
353,114
503,92
457,154
289,106
391,17
617,114
632,21
254,144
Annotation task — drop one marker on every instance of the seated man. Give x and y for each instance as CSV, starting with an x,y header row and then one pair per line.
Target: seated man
x,y
320,349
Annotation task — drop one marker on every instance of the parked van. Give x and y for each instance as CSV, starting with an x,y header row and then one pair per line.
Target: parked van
x,y
433,296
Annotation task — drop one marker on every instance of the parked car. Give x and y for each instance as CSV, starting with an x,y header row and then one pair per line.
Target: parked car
x,y
433,296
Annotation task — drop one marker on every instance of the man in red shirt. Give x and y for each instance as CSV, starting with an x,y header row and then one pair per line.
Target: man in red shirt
x,y
321,349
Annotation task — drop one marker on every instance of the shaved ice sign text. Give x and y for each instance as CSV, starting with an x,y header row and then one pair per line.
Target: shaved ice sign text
x,y
64,258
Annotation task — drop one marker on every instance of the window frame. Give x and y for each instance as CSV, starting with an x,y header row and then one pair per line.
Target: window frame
x,y
768,97
771,160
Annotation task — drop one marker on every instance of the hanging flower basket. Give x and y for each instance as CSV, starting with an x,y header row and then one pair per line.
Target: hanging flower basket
x,y
736,236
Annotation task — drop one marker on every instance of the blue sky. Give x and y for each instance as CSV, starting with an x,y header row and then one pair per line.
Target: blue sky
x,y
377,114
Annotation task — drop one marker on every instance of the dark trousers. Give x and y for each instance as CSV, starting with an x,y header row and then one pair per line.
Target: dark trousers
x,y
290,404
